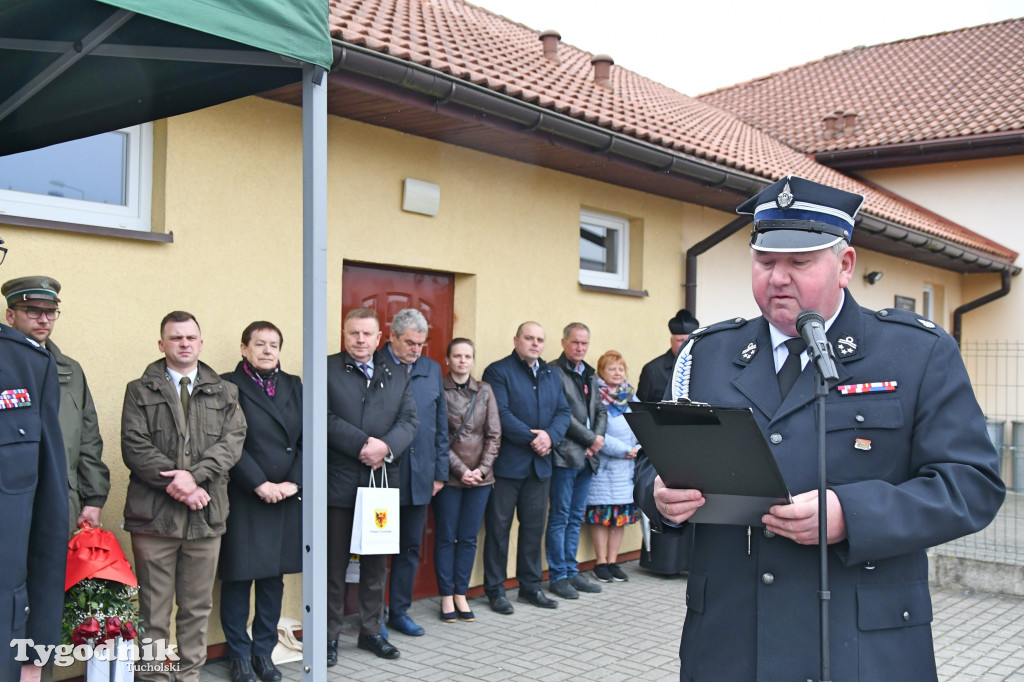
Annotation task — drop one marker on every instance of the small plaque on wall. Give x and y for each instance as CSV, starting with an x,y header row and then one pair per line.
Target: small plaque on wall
x,y
905,303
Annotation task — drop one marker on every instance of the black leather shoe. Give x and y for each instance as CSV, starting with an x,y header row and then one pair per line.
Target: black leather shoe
x,y
379,646
537,598
265,669
241,671
500,604
332,653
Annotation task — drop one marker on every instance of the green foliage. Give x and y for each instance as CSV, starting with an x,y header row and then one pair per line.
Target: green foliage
x,y
100,599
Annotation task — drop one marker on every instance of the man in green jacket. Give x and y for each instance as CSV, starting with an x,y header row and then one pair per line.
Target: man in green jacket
x,y
32,310
181,432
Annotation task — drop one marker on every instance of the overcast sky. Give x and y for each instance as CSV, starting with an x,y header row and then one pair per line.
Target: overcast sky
x,y
695,47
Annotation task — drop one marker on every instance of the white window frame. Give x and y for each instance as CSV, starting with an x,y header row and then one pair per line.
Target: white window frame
x,y
135,215
619,279
928,302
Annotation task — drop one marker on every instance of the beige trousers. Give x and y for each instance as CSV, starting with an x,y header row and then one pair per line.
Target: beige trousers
x,y
175,570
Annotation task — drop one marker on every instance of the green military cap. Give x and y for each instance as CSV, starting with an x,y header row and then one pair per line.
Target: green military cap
x,y
34,288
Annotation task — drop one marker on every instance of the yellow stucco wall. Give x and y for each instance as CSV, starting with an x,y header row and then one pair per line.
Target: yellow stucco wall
x,y
229,186
981,195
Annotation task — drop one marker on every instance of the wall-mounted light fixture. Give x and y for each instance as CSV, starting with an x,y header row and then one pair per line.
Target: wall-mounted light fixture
x,y
421,197
873,276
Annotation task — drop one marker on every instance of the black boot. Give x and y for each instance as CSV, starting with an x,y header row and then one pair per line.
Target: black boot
x,y
332,653
241,671
265,669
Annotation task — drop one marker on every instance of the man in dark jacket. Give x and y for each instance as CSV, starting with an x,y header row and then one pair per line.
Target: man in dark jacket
x,y
661,553
575,462
534,417
181,432
33,503
32,310
371,421
424,465
910,465
656,373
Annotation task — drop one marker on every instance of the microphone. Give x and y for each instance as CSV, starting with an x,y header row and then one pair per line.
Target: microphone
x,y
811,326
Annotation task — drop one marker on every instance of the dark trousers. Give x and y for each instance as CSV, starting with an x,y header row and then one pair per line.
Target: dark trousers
x,y
458,513
373,576
527,498
412,520
234,615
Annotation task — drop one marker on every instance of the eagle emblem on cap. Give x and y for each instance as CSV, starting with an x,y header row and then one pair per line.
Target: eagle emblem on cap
x,y
785,198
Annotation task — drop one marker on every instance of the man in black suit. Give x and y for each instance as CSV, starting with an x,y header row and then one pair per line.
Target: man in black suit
x,y
371,420
655,375
33,502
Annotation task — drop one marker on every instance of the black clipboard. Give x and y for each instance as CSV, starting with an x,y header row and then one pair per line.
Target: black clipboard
x,y
717,450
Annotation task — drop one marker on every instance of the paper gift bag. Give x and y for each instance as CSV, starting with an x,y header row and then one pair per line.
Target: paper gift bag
x,y
375,526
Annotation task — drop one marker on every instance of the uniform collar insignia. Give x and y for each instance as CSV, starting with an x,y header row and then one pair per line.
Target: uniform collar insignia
x,y
847,345
785,198
749,352
928,324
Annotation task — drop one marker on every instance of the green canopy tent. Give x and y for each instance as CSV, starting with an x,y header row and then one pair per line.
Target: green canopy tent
x,y
75,68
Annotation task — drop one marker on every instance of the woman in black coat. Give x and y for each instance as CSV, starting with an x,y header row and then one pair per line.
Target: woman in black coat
x,y
264,529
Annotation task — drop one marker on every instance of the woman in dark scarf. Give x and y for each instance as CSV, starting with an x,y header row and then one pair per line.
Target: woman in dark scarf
x,y
263,541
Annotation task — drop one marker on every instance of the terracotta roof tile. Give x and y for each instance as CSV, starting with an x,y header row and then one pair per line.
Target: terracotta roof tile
x,y
947,85
473,44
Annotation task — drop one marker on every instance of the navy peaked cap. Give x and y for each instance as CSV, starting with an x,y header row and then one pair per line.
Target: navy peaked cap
x,y
795,214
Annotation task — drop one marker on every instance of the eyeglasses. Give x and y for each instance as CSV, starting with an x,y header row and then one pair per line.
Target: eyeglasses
x,y
35,313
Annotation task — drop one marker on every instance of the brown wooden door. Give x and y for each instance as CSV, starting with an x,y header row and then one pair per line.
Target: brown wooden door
x,y
388,290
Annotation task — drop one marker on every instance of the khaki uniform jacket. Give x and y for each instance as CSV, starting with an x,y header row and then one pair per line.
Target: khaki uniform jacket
x,y
154,438
88,476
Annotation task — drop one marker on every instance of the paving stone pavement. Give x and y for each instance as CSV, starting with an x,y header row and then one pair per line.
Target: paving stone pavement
x,y
630,631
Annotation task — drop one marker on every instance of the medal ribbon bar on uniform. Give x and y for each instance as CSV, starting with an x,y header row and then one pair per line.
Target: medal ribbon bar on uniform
x,y
14,397
873,387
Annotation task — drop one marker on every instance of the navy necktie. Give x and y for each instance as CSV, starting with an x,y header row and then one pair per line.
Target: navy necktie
x,y
792,366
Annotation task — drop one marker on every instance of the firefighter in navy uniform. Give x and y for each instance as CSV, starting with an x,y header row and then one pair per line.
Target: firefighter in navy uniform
x,y
910,465
33,502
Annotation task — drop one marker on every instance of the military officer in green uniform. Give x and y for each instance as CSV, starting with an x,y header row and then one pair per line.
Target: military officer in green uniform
x,y
910,465
33,501
32,310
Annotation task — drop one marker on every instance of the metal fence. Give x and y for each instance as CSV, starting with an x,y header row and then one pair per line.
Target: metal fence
x,y
997,373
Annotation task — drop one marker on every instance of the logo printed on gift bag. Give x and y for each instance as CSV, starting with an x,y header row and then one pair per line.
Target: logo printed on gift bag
x,y
380,517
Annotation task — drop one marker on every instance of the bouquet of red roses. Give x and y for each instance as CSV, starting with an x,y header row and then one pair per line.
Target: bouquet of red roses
x,y
100,591
97,609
